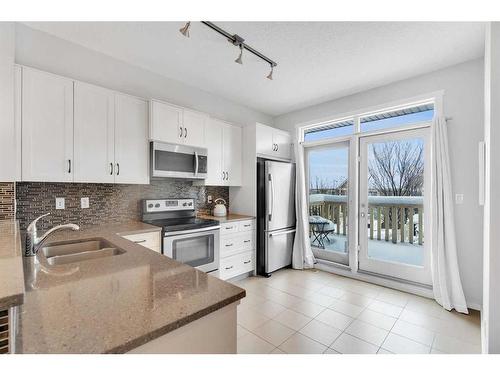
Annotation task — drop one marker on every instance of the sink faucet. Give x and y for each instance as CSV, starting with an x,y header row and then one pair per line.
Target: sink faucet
x,y
34,243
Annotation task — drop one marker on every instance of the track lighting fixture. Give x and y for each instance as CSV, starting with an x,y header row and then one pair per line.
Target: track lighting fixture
x,y
270,75
239,60
236,40
185,29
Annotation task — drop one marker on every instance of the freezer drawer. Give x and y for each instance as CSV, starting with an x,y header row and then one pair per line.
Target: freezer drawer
x,y
279,245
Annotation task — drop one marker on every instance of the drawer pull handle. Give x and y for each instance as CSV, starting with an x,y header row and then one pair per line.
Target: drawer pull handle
x,y
247,225
247,241
228,268
229,244
248,261
140,241
229,228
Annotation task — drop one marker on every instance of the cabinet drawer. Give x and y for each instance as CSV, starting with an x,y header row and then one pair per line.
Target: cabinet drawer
x,y
246,225
238,243
229,227
236,265
151,240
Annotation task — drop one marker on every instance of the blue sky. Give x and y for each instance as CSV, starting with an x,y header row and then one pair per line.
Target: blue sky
x,y
332,164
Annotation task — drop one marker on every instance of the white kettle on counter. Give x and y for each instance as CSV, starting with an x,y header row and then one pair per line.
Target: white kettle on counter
x,y
220,208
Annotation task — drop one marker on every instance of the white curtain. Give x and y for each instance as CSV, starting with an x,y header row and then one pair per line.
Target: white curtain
x,y
302,256
446,282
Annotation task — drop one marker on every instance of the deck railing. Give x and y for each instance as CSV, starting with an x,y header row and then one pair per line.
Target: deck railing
x,y
396,219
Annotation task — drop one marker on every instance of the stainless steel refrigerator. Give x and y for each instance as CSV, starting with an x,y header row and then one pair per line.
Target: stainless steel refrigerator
x,y
275,215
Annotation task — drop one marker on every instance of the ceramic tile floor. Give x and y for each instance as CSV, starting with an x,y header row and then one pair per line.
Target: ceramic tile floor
x,y
318,312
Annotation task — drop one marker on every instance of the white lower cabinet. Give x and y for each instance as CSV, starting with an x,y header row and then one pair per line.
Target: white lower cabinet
x,y
237,248
236,265
151,240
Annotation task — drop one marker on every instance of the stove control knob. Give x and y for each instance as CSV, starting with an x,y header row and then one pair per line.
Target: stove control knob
x,y
190,203
184,204
150,205
157,205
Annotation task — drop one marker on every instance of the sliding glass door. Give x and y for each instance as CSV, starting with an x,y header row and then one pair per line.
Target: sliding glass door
x,y
328,177
394,181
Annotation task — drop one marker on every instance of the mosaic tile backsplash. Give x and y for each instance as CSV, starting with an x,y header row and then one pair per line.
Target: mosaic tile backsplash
x,y
109,203
7,196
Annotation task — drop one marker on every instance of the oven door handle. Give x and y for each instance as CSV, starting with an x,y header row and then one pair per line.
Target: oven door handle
x,y
192,231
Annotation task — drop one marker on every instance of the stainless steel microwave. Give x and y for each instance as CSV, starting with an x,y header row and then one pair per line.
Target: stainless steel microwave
x,y
178,161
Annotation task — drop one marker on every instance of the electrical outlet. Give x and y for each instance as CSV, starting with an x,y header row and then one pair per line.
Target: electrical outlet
x,y
459,198
209,199
84,202
59,203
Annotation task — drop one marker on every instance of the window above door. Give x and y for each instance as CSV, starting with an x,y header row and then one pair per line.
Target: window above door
x,y
388,118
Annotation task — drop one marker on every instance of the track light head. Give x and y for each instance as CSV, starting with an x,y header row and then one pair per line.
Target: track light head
x,y
270,75
239,60
185,29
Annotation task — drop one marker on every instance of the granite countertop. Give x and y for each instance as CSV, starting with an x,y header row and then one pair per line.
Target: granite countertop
x,y
116,303
11,265
229,217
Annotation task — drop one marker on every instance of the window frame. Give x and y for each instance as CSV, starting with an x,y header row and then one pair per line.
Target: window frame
x,y
433,97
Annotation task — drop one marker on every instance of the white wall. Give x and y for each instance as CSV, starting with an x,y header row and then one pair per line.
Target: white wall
x,y
463,101
491,294
7,132
43,51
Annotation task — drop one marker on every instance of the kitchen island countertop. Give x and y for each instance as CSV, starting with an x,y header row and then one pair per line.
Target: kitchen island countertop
x,y
113,304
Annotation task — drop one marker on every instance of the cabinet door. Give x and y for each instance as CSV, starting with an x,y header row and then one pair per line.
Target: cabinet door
x,y
214,147
231,154
131,140
166,123
47,127
94,134
264,140
283,142
194,128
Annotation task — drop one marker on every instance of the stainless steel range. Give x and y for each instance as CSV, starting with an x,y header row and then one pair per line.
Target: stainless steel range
x,y
186,238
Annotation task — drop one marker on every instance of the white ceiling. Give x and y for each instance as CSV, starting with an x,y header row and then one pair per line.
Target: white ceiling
x,y
317,61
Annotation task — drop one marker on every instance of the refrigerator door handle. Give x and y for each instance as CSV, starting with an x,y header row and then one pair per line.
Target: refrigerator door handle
x,y
281,233
271,204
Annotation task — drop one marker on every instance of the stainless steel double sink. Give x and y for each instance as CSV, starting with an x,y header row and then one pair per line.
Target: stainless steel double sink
x,y
78,251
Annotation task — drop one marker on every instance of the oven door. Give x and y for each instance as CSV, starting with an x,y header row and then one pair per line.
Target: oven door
x,y
179,161
198,248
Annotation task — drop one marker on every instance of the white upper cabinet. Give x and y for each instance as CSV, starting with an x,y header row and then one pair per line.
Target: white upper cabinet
x,y
47,127
273,143
283,144
194,127
264,140
77,132
231,154
166,123
223,141
173,124
94,138
214,157
131,140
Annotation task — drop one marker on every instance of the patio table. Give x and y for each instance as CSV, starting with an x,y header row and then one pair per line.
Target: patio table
x,y
317,225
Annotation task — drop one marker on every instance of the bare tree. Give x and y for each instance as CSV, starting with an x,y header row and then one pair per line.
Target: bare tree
x,y
397,168
323,185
